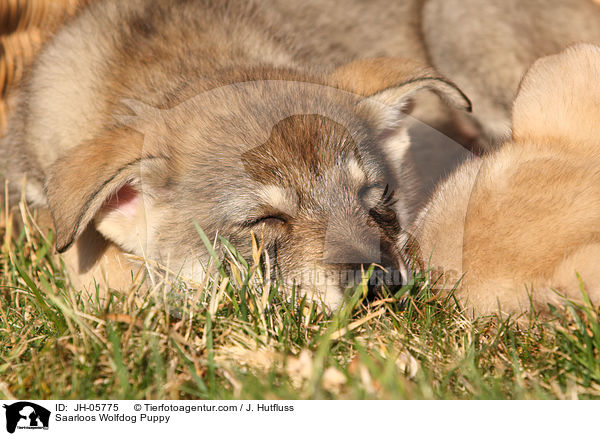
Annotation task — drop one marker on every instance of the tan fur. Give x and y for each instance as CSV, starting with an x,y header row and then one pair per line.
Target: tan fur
x,y
191,112
378,76
526,218
24,26
95,264
486,46
331,33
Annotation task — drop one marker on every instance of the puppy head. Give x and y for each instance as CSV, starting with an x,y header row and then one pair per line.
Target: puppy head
x,y
315,163
559,99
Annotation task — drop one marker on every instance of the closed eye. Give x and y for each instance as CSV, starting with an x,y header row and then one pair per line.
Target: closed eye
x,y
376,195
269,220
387,198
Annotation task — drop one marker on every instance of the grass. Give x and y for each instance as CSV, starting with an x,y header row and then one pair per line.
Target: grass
x,y
236,337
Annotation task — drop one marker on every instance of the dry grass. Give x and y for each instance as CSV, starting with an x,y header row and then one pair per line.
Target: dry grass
x,y
236,337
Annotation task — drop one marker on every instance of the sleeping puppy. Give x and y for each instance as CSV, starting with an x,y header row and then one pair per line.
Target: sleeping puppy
x,y
142,119
522,221
486,46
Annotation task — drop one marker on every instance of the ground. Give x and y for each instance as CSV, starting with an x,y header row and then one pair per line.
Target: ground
x,y
237,337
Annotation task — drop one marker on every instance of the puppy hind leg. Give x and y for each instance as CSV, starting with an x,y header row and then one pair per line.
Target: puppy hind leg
x,y
495,296
584,262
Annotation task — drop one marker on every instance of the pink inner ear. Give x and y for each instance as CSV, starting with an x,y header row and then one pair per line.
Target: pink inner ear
x,y
125,200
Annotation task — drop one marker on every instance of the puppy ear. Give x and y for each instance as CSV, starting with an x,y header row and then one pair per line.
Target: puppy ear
x,y
559,97
389,86
393,81
103,174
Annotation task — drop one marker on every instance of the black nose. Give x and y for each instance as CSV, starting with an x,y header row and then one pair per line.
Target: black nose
x,y
390,278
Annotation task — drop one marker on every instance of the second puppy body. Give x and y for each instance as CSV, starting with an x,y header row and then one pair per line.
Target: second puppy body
x,y
518,225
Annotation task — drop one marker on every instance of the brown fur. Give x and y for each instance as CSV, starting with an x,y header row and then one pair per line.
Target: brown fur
x,y
228,130
526,218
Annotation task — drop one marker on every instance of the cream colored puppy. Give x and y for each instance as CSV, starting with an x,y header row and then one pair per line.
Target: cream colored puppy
x,y
524,220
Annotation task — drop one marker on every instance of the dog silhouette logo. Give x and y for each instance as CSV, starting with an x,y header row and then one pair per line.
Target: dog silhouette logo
x,y
26,415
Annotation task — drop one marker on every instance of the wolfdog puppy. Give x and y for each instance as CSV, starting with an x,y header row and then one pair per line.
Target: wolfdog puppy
x,y
486,46
145,118
519,224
